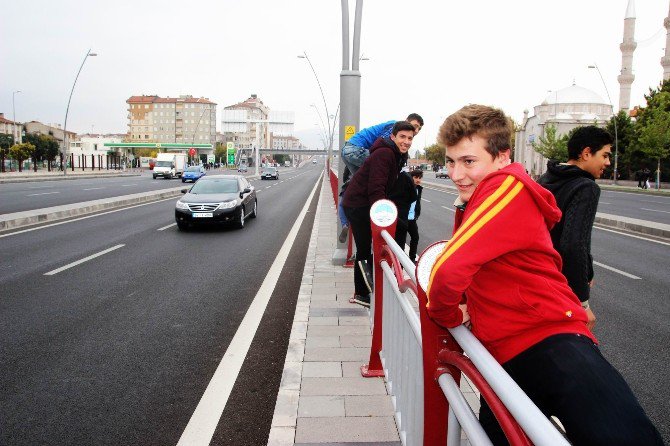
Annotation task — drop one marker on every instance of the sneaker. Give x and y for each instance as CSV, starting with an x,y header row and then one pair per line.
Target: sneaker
x,y
362,300
343,234
366,271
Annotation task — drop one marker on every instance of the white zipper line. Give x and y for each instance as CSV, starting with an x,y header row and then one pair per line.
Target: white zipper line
x,y
85,259
623,273
43,193
165,227
631,235
654,210
205,418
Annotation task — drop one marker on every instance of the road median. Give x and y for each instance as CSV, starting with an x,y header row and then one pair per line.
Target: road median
x,y
17,220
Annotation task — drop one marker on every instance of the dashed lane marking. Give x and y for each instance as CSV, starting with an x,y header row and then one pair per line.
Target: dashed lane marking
x,y
85,259
618,271
43,193
448,208
165,227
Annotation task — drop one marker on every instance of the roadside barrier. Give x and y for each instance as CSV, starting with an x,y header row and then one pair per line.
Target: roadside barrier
x,y
332,176
430,408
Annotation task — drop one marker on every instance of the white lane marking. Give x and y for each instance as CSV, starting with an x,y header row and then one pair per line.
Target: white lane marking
x,y
602,202
94,188
83,218
201,426
427,201
449,209
128,185
623,273
259,190
655,210
440,190
631,235
42,193
41,187
165,227
85,259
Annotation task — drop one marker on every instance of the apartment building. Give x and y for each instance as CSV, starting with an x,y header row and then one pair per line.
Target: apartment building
x,y
55,130
251,124
9,127
181,120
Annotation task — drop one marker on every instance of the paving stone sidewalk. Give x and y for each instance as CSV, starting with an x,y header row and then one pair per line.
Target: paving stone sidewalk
x,y
322,397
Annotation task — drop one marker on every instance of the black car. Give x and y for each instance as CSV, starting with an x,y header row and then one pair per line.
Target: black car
x,y
217,199
270,173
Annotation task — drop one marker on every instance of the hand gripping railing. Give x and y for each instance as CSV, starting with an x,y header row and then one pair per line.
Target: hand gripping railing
x,y
429,406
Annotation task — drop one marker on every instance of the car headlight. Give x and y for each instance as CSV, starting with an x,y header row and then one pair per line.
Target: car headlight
x,y
182,205
228,204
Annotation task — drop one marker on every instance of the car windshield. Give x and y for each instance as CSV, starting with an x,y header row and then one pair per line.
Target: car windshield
x,y
193,169
163,163
270,170
215,186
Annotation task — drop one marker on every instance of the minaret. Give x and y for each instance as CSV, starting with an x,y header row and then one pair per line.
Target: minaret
x,y
627,47
665,61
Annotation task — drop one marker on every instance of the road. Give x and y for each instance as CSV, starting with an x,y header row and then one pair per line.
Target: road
x,y
654,208
120,348
632,312
24,196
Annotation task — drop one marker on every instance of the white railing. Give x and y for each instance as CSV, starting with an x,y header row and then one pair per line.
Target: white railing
x,y
400,342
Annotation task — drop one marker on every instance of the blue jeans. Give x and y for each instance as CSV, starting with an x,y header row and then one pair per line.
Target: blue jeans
x,y
354,156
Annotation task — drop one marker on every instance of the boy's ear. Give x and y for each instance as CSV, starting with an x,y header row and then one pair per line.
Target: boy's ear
x,y
585,153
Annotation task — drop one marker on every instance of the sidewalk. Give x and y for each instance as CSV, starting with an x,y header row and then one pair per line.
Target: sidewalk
x,y
322,397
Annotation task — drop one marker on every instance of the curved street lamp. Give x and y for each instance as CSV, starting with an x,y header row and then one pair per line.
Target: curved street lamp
x,y
616,136
325,105
65,142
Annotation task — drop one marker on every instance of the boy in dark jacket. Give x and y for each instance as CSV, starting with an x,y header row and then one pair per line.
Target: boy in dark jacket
x,y
403,194
576,192
372,182
414,212
519,305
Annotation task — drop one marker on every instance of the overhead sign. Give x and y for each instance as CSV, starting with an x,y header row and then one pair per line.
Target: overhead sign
x,y
349,131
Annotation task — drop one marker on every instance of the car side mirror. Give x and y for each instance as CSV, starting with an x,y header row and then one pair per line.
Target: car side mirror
x,y
183,191
247,190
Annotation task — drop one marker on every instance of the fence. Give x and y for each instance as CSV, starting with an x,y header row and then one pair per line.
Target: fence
x,y
429,406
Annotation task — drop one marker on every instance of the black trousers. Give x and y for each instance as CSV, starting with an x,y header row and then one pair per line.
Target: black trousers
x,y
413,230
401,233
566,376
359,220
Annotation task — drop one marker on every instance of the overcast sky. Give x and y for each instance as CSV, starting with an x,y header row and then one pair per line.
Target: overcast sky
x,y
429,57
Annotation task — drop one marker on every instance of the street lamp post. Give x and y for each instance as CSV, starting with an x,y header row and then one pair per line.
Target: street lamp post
x,y
616,136
14,136
325,105
65,142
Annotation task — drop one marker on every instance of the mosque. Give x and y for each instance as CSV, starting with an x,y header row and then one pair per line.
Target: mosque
x,y
576,106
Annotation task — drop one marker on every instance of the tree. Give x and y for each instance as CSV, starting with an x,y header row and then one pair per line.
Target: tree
x,y
625,136
46,147
21,152
654,136
435,154
220,151
552,146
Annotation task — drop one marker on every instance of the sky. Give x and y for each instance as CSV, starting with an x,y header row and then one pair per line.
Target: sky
x,y
427,57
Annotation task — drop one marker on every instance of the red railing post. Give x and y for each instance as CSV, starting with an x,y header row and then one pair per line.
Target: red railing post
x,y
383,216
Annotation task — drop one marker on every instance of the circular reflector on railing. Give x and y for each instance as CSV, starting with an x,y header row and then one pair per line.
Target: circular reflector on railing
x,y
383,213
426,262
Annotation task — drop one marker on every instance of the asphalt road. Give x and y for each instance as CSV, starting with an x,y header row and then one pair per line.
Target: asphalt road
x,y
119,349
632,313
24,196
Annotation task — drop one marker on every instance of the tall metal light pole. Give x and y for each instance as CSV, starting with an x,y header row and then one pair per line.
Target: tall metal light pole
x,y
616,136
325,105
65,142
14,119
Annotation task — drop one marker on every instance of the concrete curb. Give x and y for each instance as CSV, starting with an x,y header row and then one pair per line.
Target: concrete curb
x,y
26,218
633,224
26,179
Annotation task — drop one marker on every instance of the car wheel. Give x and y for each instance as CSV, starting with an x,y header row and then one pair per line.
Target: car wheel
x,y
183,180
154,177
240,222
182,226
254,213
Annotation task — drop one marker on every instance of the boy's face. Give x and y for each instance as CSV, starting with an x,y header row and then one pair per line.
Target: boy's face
x,y
595,163
468,163
416,125
403,139
417,181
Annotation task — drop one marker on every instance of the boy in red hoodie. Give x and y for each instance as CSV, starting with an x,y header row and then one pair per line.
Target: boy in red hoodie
x,y
500,274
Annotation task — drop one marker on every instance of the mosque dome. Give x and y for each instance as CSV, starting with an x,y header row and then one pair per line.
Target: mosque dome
x,y
574,94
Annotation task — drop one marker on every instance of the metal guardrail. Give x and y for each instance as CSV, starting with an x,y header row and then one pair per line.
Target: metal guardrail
x,y
429,406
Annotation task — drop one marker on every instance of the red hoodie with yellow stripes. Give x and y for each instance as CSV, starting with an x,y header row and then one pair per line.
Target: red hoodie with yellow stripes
x,y
502,260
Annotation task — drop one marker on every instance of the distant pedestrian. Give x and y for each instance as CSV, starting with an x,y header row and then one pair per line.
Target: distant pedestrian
x,y
414,212
646,174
